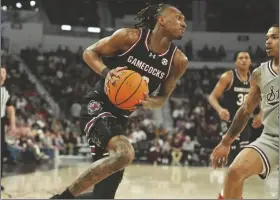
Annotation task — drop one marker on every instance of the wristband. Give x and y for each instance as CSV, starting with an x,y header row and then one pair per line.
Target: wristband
x,y
105,71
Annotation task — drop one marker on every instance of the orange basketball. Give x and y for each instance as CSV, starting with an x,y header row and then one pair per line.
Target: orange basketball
x,y
128,90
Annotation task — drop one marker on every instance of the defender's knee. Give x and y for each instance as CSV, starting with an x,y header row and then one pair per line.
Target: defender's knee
x,y
238,172
246,164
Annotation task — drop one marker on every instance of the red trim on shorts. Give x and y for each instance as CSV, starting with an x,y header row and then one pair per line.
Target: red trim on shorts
x,y
91,122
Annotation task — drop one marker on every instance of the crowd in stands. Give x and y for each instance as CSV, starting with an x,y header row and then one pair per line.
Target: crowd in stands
x,y
240,16
62,72
65,76
195,124
38,134
208,53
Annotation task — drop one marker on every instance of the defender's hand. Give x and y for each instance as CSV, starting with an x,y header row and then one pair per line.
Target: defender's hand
x,y
257,121
219,155
112,77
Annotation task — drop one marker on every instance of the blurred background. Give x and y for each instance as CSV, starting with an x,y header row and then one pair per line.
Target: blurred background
x,y
42,42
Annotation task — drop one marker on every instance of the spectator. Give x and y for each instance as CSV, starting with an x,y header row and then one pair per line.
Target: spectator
x,y
75,110
260,53
56,126
137,135
189,49
188,149
160,131
177,148
166,149
251,53
204,52
221,52
177,113
213,54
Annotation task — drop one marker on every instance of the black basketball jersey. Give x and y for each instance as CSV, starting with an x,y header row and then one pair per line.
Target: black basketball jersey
x,y
141,59
236,94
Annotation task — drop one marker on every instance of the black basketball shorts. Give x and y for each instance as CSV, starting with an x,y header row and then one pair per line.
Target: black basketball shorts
x,y
100,125
243,139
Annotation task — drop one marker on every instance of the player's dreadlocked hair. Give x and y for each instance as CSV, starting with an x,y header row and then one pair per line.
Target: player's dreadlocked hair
x,y
148,16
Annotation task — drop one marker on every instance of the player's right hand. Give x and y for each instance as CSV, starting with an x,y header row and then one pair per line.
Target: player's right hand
x,y
220,154
224,114
112,77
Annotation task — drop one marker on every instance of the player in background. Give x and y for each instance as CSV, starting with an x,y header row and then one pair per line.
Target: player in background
x,y
234,86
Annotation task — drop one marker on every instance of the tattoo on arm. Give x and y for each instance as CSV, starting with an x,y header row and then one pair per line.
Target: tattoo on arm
x,y
239,122
242,115
256,76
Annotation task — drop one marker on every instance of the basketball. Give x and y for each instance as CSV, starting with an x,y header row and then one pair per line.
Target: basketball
x,y
126,92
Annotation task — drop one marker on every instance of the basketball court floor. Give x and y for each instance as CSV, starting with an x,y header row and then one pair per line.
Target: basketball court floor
x,y
140,181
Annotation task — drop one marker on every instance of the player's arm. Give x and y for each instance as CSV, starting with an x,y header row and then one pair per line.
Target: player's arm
x,y
221,86
177,70
119,42
244,112
11,114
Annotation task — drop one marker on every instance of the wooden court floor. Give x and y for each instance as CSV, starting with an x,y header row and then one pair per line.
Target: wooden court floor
x,y
140,181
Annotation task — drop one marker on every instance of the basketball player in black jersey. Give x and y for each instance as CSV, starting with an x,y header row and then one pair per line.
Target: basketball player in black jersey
x,y
148,50
234,86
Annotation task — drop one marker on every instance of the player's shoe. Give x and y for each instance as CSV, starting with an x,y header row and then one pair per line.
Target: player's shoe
x,y
220,197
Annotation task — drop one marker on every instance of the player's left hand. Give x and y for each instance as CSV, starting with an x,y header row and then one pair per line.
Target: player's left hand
x,y
257,121
142,103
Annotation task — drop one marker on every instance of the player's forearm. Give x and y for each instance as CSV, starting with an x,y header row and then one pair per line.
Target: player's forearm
x,y
12,116
239,122
155,102
215,103
95,62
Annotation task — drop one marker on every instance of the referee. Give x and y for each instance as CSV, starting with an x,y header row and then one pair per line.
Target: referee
x,y
5,104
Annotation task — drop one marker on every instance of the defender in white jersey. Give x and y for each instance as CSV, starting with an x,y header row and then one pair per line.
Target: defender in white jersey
x,y
261,156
